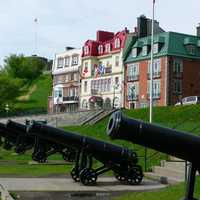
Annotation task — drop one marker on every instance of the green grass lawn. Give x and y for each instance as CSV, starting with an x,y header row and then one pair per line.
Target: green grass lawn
x,y
35,95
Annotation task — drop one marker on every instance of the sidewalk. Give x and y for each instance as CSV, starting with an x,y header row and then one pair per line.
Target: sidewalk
x,y
104,184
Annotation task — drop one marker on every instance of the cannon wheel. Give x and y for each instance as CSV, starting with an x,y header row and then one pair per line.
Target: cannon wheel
x,y
39,157
75,174
120,177
135,175
88,176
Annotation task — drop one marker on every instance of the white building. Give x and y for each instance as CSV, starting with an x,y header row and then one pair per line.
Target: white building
x,y
66,80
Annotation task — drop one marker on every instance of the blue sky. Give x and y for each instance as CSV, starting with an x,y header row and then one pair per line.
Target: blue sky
x,y
69,23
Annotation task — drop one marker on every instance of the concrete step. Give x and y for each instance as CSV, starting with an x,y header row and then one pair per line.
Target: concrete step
x,y
180,166
168,172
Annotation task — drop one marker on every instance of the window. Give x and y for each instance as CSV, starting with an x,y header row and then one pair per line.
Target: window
x,y
117,43
178,86
156,68
85,86
144,50
133,72
67,61
60,63
155,89
100,49
75,60
134,52
116,82
155,48
58,93
86,50
191,49
107,48
178,66
101,85
116,61
133,91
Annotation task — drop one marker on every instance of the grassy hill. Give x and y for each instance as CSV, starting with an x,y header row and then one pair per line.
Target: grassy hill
x,y
34,96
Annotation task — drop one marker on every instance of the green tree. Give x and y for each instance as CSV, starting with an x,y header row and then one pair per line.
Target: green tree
x,y
26,68
9,89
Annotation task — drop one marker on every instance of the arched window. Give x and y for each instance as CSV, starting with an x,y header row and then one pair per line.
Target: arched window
x,y
117,43
107,103
100,49
107,48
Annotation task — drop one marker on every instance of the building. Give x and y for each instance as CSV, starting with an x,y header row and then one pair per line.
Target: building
x,y
102,71
176,69
66,81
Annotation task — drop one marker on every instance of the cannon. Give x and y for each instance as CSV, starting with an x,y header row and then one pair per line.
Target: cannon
x,y
42,149
122,161
176,143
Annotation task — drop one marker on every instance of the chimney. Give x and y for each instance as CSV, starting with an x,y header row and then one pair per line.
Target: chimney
x,y
142,26
198,30
69,48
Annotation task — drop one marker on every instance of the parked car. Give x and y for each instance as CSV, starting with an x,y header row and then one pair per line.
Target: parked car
x,y
189,100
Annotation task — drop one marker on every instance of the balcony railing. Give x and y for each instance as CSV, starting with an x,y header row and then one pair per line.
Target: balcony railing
x,y
155,75
72,98
94,92
133,78
132,97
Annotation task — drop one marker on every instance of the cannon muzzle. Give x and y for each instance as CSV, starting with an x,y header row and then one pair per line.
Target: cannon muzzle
x,y
176,143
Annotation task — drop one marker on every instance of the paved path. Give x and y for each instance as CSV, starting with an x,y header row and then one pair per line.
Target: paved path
x,y
105,184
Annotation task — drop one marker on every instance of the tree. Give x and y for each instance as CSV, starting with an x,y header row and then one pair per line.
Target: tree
x,y
9,89
27,68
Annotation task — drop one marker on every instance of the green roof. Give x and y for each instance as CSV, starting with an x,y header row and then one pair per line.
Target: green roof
x,y
171,44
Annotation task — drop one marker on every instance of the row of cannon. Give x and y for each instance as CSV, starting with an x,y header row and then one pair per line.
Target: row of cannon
x,y
46,140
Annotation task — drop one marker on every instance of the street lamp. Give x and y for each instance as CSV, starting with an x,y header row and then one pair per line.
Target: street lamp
x,y
7,109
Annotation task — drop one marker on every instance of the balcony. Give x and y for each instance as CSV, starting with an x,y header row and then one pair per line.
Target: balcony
x,y
155,75
72,98
132,97
133,78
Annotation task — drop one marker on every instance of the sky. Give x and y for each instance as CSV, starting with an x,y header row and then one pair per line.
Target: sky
x,y
64,23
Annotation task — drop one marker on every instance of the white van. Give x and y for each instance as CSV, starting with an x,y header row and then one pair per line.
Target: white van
x,y
189,100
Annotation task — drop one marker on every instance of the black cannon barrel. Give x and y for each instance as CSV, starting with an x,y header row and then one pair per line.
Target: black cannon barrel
x,y
16,127
3,131
100,150
180,144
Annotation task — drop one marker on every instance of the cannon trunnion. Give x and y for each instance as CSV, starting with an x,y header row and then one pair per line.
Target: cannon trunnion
x,y
122,161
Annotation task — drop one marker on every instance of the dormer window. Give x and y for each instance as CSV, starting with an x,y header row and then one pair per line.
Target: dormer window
x,y
134,52
86,50
155,48
191,49
107,48
100,49
144,50
117,43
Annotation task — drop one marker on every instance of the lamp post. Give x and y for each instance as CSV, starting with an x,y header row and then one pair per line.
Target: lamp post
x,y
7,109
151,67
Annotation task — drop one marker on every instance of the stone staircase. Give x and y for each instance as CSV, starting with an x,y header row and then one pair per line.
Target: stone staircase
x,y
101,116
171,172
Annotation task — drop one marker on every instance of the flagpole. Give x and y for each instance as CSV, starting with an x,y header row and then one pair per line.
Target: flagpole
x,y
151,67
36,34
